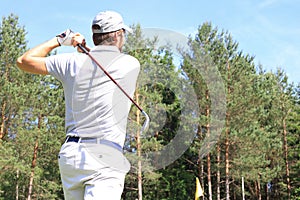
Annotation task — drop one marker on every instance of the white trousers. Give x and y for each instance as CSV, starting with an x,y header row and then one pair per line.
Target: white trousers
x,y
92,171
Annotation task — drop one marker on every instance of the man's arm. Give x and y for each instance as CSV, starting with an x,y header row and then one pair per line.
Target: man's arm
x,y
33,61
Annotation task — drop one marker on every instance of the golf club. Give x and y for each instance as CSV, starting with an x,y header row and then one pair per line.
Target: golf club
x,y
147,119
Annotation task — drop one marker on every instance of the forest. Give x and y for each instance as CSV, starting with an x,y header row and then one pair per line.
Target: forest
x,y
215,115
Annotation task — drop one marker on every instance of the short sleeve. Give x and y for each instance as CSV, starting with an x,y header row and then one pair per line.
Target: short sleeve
x,y
61,66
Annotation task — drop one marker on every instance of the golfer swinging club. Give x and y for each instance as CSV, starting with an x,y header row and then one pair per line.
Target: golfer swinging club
x,y
91,162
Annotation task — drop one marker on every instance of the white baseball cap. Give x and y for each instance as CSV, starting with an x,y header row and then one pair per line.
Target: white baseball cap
x,y
109,21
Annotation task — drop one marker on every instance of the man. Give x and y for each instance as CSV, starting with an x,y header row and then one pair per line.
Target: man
x,y
91,162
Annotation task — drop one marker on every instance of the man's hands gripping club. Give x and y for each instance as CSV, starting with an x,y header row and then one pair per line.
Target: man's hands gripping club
x,y
69,38
65,38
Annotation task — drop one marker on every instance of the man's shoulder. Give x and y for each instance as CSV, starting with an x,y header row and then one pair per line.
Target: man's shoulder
x,y
66,56
131,59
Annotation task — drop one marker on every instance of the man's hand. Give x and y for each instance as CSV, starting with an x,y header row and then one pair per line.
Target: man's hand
x,y
65,38
69,38
79,39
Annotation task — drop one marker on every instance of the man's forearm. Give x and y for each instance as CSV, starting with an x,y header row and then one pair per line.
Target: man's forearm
x,y
43,49
33,61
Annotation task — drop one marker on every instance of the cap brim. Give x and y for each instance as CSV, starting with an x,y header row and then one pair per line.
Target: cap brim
x,y
111,29
127,28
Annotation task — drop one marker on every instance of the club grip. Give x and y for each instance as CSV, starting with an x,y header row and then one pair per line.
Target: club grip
x,y
84,50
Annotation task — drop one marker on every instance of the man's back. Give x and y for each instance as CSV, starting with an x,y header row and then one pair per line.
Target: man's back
x,y
95,106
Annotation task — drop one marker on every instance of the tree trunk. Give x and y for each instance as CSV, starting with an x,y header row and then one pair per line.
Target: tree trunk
x,y
258,189
208,155
286,150
200,162
209,177
138,140
2,128
243,188
202,178
218,172
227,166
17,185
33,163
227,138
3,106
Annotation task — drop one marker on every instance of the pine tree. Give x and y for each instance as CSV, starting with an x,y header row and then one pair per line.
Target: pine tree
x,y
293,140
32,113
12,44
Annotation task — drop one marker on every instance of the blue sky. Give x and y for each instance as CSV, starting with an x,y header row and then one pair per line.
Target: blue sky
x,y
266,29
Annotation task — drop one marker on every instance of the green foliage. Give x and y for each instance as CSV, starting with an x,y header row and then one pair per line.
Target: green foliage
x,y
256,104
32,111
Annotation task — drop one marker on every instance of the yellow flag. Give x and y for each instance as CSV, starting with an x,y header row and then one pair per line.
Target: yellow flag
x,y
199,191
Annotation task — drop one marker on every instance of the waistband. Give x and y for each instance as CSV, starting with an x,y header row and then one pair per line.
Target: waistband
x,y
93,141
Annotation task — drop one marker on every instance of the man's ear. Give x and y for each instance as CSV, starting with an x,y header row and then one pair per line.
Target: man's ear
x,y
119,32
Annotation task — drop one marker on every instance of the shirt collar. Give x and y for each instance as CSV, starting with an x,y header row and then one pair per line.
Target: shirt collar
x,y
105,48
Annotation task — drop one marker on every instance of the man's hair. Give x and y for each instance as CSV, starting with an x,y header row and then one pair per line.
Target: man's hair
x,y
103,38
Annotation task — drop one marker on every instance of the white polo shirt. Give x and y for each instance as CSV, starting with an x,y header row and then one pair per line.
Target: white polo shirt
x,y
95,106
